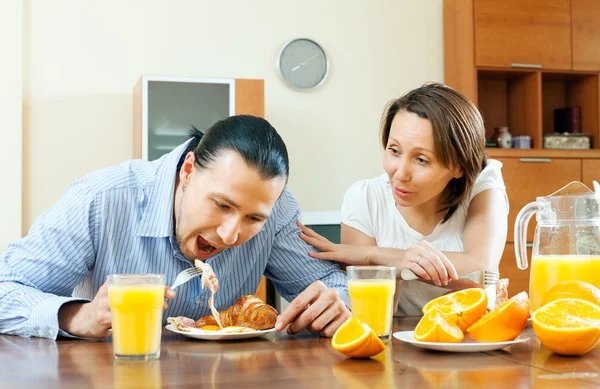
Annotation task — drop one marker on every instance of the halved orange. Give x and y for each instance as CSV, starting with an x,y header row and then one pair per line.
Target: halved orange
x,y
464,307
437,327
356,339
503,323
572,289
568,326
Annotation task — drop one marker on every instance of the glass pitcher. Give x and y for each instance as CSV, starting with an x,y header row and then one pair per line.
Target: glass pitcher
x,y
566,244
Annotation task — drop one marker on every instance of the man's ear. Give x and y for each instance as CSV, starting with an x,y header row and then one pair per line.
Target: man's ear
x,y
187,168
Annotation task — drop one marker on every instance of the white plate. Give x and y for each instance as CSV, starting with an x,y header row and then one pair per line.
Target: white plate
x,y
215,335
466,346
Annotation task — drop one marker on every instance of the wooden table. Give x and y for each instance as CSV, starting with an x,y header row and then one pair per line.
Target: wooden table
x,y
284,362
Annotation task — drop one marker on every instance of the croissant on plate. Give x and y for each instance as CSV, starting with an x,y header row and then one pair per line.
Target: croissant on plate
x,y
248,311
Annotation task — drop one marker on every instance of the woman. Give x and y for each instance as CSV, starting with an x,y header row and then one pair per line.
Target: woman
x,y
441,208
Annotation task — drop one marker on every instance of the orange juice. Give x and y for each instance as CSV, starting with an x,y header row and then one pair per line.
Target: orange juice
x,y
136,374
136,319
372,303
549,270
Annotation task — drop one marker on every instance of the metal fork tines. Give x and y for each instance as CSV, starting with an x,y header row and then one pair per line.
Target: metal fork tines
x,y
489,277
185,276
481,277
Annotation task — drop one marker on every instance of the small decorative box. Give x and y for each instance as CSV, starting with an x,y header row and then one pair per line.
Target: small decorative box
x,y
567,141
522,142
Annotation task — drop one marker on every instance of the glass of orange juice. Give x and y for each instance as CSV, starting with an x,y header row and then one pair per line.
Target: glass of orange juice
x,y
371,290
136,302
136,374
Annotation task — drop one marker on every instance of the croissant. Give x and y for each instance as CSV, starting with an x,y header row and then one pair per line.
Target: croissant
x,y
248,311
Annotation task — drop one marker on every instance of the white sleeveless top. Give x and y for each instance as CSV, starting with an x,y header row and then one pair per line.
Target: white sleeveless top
x,y
369,207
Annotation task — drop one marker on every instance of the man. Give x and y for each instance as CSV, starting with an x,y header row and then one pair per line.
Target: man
x,y
220,198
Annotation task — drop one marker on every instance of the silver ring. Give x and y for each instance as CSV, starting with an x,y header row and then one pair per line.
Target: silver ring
x,y
418,259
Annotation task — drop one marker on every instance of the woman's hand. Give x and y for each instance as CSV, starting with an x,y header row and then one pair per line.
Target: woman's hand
x,y
347,255
430,263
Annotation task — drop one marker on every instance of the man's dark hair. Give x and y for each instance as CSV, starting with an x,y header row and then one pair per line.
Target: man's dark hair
x,y
253,138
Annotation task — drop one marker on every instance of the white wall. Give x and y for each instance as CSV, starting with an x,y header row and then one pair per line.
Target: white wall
x,y
11,87
84,57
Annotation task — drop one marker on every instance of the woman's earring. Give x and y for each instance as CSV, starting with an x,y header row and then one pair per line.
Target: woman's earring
x,y
183,187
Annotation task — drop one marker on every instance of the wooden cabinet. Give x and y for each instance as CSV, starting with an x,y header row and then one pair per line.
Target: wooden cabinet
x,y
567,90
584,21
518,279
528,178
511,98
590,171
164,108
534,32
563,38
512,33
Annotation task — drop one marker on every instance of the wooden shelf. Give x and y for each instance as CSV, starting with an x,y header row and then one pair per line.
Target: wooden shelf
x,y
567,89
511,97
493,152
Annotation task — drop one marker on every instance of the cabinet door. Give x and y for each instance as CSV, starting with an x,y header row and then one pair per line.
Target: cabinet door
x,y
528,178
590,171
586,34
518,279
534,32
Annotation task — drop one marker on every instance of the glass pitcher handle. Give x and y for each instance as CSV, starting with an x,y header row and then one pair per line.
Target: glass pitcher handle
x,y
521,223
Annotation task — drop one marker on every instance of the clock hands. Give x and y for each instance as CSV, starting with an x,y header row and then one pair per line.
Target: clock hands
x,y
304,63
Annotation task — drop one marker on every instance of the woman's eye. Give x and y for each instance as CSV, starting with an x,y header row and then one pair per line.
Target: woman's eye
x,y
221,205
422,161
393,150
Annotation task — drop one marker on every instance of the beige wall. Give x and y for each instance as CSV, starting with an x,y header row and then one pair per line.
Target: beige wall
x,y
11,87
83,58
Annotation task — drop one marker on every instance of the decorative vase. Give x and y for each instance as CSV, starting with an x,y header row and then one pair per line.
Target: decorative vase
x,y
502,137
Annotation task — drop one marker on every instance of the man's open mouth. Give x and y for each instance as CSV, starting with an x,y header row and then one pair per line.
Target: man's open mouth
x,y
204,246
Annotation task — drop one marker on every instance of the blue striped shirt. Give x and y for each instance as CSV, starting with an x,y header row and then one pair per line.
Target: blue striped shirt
x,y
119,220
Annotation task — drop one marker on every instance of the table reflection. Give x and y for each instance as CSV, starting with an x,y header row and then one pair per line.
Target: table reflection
x,y
558,372
27,360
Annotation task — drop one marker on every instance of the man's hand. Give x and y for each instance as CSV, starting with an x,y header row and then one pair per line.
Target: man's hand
x,y
318,307
93,319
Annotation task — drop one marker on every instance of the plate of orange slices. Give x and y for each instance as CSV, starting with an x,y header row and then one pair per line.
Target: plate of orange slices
x,y
466,346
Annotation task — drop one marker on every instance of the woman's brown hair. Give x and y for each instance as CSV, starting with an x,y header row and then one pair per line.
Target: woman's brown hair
x,y
458,134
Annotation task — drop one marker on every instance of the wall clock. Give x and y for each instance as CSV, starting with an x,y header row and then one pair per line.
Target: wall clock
x,y
303,64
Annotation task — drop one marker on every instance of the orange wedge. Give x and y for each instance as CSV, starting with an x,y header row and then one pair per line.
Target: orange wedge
x,y
573,289
356,339
437,327
463,307
568,326
503,323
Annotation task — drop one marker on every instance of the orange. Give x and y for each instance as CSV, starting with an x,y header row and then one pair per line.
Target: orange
x,y
503,323
568,326
356,339
437,327
463,307
573,289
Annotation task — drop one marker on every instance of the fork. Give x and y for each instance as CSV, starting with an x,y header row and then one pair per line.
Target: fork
x,y
481,277
185,276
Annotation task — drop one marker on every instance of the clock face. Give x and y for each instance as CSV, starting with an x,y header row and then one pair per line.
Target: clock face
x,y
303,63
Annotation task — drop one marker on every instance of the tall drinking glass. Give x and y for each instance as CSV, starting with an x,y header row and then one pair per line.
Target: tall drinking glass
x,y
372,291
136,302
